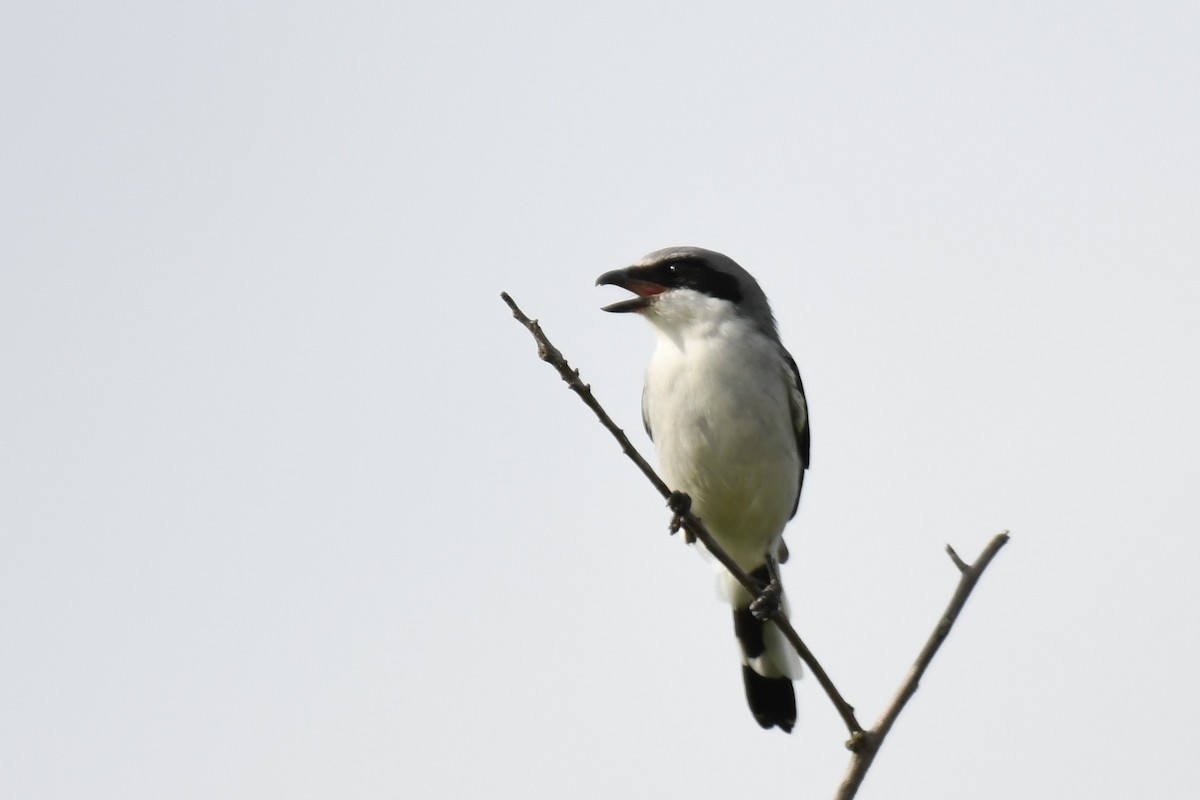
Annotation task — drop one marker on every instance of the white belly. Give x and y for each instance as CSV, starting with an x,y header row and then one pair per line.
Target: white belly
x,y
723,429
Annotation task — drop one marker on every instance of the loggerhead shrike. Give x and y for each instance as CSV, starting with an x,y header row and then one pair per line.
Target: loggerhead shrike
x,y
725,407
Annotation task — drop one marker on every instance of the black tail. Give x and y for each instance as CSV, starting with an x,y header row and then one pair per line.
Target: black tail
x,y
772,698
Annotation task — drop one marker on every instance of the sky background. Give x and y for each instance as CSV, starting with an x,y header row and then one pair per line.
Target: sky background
x,y
289,508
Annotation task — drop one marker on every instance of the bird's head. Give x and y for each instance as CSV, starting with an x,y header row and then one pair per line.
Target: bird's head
x,y
678,287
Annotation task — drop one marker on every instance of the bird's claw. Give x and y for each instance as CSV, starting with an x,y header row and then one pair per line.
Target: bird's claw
x,y
680,504
767,603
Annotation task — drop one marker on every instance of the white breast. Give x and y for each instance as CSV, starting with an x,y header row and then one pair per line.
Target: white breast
x,y
717,404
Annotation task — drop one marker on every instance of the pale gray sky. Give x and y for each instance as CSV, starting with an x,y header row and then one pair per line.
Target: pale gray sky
x,y
288,507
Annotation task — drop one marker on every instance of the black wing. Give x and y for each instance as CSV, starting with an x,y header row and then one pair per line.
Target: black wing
x,y
799,420
646,416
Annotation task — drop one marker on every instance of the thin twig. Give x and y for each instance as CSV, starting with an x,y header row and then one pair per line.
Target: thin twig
x,y
692,524
958,562
871,740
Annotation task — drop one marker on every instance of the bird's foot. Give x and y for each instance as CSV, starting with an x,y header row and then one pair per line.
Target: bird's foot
x,y
767,604
680,504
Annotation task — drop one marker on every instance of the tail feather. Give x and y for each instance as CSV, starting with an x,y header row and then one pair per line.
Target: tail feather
x,y
772,700
767,668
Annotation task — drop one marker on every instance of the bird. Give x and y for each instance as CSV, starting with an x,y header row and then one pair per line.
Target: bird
x,y
725,407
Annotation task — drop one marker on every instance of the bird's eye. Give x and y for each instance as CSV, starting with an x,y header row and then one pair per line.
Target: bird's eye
x,y
673,268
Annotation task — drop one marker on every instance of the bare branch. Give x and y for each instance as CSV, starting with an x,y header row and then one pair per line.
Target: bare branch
x,y
870,742
690,523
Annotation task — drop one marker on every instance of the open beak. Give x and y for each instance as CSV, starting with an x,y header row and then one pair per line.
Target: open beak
x,y
627,279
